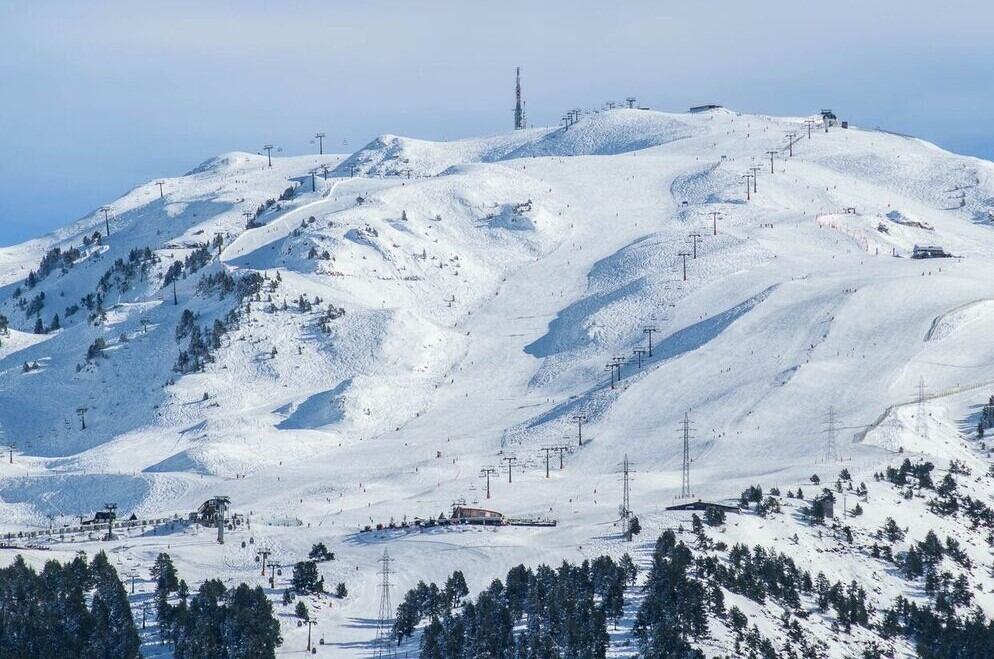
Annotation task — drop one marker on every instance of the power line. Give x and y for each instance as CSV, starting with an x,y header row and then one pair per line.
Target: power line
x,y
921,424
831,449
626,508
685,429
384,627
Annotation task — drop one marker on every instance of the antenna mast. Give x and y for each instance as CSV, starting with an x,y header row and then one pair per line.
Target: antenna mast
x,y
519,108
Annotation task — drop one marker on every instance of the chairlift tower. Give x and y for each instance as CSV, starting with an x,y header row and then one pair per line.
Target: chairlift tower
x,y
510,460
755,178
106,211
684,255
695,238
580,419
714,221
111,509
488,472
648,332
220,507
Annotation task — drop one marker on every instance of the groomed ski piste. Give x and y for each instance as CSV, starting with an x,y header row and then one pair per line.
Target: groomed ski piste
x,y
486,284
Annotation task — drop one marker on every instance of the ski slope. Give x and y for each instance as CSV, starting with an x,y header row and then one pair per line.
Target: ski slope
x,y
486,283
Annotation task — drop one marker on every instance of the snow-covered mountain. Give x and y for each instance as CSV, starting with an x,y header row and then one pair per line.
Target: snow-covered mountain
x,y
348,340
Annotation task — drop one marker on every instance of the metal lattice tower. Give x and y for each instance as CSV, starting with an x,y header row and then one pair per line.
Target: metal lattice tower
x,y
831,448
519,107
384,627
685,429
921,423
626,504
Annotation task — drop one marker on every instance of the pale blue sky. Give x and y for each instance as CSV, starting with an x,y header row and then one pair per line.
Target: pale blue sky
x,y
96,97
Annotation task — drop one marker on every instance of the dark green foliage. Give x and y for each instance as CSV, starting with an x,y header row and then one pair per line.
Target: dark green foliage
x,y
714,516
919,474
122,274
306,579
564,613
320,553
173,272
752,494
96,349
816,511
891,530
757,574
54,259
45,615
455,589
674,608
224,624
938,634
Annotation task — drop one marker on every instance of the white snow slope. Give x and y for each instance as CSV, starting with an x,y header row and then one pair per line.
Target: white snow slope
x,y
486,283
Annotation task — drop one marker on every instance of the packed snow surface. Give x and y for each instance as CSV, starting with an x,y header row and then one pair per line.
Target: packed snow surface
x,y
486,284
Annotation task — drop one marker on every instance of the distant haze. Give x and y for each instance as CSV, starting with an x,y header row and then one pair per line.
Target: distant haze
x,y
98,97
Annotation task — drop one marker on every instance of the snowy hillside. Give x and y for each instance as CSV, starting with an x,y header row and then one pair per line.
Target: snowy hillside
x,y
341,341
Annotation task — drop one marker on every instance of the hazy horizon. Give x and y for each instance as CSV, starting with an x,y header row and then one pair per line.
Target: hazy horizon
x,y
106,96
